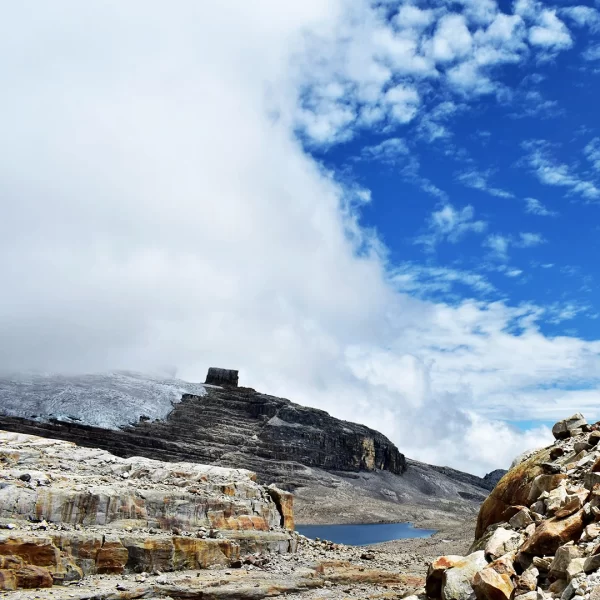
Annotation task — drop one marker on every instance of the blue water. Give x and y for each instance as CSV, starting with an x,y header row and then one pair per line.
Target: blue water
x,y
362,535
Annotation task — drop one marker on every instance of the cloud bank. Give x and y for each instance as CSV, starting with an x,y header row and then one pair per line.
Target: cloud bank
x,y
161,211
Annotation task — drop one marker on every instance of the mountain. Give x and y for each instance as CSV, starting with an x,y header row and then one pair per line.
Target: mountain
x,y
339,471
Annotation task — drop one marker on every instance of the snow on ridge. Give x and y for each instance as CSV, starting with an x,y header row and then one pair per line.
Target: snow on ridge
x,y
108,400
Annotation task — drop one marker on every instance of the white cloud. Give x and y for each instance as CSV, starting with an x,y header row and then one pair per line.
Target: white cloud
x,y
498,244
390,151
427,281
552,172
583,16
395,152
452,39
403,102
550,32
527,240
160,211
592,53
592,153
451,225
479,181
535,207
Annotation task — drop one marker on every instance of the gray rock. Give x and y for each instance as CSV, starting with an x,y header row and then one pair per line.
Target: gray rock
x,y
502,542
567,427
457,580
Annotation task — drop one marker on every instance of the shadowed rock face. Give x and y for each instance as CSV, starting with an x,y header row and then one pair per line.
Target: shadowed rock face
x,y
239,427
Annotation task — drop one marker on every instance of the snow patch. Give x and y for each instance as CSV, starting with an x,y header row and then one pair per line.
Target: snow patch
x,y
110,400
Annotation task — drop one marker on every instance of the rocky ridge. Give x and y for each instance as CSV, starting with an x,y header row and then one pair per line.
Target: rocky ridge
x,y
538,532
350,472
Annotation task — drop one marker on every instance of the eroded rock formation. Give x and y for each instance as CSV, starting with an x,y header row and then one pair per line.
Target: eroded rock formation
x,y
69,511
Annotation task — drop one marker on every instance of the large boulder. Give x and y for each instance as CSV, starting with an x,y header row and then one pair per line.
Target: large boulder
x,y
513,489
567,427
553,533
457,581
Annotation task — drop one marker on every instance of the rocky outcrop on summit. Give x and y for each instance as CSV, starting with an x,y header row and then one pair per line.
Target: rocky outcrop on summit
x,y
538,532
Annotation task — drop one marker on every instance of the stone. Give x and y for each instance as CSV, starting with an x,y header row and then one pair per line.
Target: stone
x,y
572,503
564,555
222,377
594,438
528,580
456,584
581,446
556,452
435,574
488,584
31,577
592,563
553,533
285,505
574,568
545,483
112,556
501,542
521,520
591,532
567,427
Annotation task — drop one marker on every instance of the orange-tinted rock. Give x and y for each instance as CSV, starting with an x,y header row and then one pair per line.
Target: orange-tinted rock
x,y
488,584
8,580
112,557
553,533
31,576
285,505
40,552
435,574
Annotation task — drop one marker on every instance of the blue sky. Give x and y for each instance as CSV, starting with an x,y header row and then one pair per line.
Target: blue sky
x,y
384,209
517,168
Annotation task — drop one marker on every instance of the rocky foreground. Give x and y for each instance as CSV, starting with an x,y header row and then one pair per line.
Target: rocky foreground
x,y
82,523
538,532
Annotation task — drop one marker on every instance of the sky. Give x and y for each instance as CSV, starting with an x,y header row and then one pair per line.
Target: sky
x,y
387,210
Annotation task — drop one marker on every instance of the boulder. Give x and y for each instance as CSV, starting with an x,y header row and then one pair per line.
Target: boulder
x,y
553,533
574,568
502,542
563,557
488,584
545,483
567,427
521,519
528,581
456,584
592,563
435,574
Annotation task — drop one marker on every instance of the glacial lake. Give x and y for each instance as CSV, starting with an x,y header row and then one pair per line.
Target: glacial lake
x,y
363,535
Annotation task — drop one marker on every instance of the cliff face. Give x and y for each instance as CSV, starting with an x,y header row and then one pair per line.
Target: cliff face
x,y
237,427
338,471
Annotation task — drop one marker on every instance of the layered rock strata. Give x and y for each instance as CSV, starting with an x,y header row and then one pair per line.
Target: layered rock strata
x,y
538,532
67,512
339,471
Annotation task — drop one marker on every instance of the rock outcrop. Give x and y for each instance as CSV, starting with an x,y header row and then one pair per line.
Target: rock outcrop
x,y
69,511
353,472
539,529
